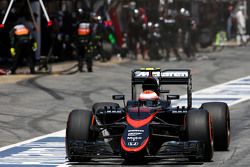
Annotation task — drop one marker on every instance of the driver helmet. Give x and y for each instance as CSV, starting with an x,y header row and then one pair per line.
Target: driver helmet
x,y
149,98
148,95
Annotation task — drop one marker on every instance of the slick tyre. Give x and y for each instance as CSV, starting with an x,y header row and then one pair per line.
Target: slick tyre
x,y
102,105
221,124
199,128
78,129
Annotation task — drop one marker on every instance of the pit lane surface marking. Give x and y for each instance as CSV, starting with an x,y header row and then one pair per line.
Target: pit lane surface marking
x,y
232,92
49,150
14,78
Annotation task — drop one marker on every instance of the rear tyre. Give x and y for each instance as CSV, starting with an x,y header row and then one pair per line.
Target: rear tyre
x,y
78,129
198,127
221,124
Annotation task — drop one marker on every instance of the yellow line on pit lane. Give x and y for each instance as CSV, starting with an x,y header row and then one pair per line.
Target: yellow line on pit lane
x,y
6,79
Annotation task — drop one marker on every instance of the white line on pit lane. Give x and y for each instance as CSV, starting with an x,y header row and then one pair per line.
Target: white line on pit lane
x,y
41,151
232,92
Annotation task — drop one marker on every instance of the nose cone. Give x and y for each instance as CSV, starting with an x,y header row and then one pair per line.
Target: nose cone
x,y
135,139
133,146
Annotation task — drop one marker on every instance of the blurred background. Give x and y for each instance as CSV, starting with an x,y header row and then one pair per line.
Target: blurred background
x,y
133,29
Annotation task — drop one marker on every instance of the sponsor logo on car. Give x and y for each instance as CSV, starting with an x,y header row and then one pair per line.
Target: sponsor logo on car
x,y
166,74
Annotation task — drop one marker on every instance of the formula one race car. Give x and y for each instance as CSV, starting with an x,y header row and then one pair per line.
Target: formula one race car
x,y
149,125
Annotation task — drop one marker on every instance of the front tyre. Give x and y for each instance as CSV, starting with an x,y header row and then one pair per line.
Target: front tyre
x,y
199,128
221,123
78,129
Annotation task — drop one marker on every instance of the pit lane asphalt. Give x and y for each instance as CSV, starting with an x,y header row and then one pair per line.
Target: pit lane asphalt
x,y
39,105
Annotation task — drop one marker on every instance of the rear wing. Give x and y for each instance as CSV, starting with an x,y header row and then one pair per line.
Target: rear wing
x,y
165,77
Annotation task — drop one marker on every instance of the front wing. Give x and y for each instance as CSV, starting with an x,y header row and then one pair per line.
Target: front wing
x,y
170,149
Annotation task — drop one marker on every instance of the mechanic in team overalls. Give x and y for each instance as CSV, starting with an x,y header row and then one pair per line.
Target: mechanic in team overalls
x,y
169,30
23,45
85,45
